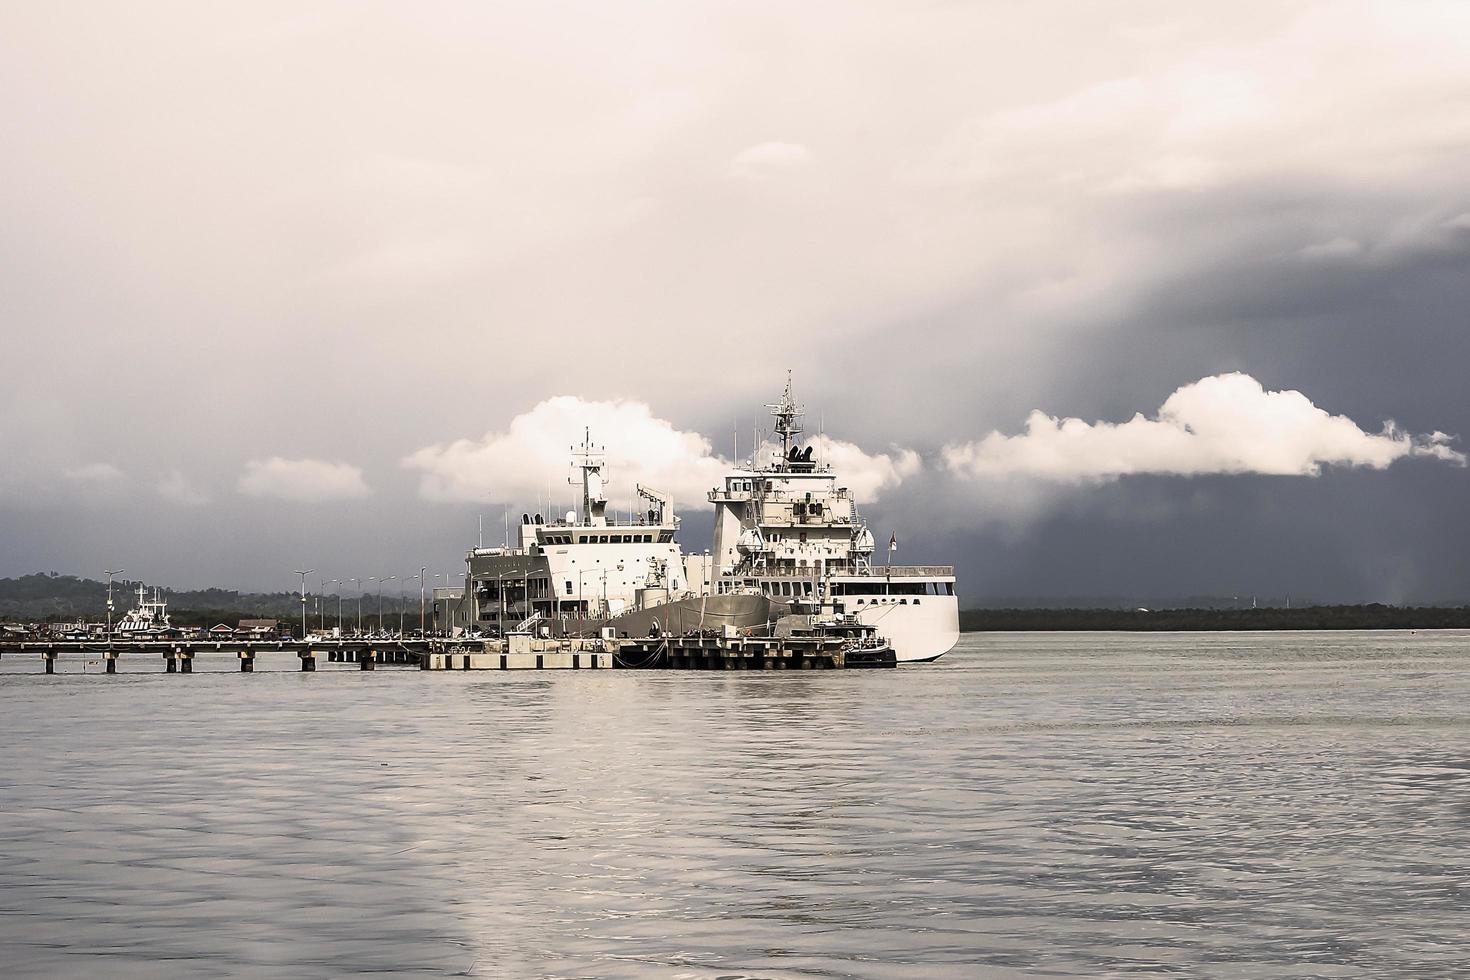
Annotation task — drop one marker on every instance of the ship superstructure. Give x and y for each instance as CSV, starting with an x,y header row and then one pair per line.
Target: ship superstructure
x,y
589,571
784,526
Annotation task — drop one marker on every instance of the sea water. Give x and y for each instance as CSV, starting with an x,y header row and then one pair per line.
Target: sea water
x,y
1215,805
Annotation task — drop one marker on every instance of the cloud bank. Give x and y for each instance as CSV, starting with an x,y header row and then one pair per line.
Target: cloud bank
x,y
177,488
867,475
1226,424
531,457
302,480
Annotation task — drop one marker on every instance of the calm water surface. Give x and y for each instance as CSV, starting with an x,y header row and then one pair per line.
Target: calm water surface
x,y
1229,805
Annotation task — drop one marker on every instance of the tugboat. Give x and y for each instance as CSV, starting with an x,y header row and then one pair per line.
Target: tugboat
x,y
860,642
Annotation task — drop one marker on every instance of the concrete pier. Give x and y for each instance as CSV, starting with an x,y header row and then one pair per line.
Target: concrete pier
x,y
810,652
514,652
519,652
658,653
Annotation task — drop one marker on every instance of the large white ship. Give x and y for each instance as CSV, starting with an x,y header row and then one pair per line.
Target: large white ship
x,y
785,527
591,571
787,539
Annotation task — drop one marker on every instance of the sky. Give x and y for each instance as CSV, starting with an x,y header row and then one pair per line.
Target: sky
x,y
1128,299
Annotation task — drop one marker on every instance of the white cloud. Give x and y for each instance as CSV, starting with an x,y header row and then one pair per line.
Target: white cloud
x,y
765,159
178,488
308,480
531,457
867,474
96,475
1223,424
1460,222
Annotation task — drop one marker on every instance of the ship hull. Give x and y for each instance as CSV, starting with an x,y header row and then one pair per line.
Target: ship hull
x,y
920,632
743,612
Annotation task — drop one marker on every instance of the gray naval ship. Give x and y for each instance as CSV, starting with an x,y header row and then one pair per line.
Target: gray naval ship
x,y
586,572
788,542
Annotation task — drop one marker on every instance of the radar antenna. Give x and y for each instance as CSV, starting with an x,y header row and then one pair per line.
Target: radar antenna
x,y
594,501
787,414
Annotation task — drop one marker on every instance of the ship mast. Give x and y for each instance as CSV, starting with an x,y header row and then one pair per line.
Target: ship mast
x,y
787,414
594,500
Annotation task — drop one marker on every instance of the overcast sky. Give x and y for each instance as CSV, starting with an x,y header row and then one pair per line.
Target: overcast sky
x,y
1090,299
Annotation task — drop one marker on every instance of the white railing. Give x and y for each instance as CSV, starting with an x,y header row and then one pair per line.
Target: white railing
x,y
875,571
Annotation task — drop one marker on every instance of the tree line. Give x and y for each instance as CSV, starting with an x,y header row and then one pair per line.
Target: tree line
x,y
1370,616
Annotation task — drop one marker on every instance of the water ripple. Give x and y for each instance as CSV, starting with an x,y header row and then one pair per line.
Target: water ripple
x,y
1246,805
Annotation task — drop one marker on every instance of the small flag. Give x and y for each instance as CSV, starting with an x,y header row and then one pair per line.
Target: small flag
x,y
893,542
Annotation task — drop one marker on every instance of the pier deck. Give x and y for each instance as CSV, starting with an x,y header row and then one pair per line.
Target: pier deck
x,y
512,653
177,656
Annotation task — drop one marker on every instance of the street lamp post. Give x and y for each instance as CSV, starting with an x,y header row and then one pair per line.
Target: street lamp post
x,y
422,570
303,574
110,573
448,600
380,582
500,591
374,578
359,604
400,607
336,581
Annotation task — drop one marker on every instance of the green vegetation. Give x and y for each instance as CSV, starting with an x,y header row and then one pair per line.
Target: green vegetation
x,y
65,598
1372,616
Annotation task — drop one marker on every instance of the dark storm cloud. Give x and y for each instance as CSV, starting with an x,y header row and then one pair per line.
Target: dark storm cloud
x,y
418,226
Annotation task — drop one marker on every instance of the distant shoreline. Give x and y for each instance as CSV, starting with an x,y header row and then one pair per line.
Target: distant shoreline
x,y
1373,616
